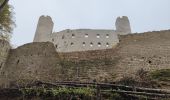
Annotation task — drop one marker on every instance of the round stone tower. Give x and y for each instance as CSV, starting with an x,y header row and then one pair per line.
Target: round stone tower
x,y
44,27
123,25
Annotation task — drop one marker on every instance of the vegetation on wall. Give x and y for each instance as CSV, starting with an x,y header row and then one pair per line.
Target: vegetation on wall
x,y
161,75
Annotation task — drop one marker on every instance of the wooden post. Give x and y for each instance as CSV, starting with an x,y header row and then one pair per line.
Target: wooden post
x,y
98,93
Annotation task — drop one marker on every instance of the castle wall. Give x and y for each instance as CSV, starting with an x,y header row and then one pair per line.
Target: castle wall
x,y
83,40
148,51
32,62
80,39
40,61
4,51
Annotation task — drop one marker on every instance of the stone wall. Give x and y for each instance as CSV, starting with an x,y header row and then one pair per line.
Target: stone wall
x,y
81,39
123,25
4,51
87,55
32,62
39,61
44,28
148,51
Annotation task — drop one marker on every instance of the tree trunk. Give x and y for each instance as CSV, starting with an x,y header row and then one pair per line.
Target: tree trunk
x,y
3,5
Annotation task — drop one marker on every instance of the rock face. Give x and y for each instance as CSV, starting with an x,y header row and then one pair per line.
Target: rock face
x,y
123,25
32,62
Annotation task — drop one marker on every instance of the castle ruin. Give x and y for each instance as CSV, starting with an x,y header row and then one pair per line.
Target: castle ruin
x,y
80,39
39,61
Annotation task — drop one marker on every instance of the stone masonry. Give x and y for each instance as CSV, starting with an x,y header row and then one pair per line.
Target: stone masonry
x,y
34,62
40,61
4,51
81,39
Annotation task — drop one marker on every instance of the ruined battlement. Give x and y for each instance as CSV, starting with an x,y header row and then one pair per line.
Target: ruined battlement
x,y
81,39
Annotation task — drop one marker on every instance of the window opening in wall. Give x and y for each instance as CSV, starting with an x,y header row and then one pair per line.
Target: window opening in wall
x,y
99,44
98,36
107,44
63,37
3,73
84,44
86,36
72,43
107,35
56,46
91,44
1,65
52,40
73,35
17,61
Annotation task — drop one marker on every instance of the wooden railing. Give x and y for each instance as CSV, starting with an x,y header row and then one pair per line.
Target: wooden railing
x,y
114,88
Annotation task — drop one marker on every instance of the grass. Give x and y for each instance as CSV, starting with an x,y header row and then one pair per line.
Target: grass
x,y
161,75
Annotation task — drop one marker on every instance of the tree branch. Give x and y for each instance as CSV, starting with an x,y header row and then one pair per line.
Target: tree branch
x,y
3,4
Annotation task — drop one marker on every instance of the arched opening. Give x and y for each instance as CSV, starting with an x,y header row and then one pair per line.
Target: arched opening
x,y
91,44
99,44
84,44
98,36
107,35
107,44
73,35
72,43
52,40
63,37
56,46
86,36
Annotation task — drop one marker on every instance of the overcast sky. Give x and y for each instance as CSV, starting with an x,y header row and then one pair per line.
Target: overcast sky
x,y
144,15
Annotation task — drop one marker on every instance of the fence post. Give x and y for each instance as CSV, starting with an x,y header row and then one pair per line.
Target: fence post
x,y
98,93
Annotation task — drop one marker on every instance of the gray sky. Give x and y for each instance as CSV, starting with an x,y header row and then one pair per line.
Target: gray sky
x,y
144,15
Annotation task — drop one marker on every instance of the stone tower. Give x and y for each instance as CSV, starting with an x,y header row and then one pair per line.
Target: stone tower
x,y
44,28
123,25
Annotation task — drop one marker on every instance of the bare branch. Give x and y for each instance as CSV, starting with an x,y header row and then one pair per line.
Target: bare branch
x,y
3,4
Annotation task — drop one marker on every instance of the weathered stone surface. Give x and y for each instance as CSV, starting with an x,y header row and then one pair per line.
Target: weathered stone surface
x,y
123,25
40,61
4,51
32,62
44,27
81,39
148,51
